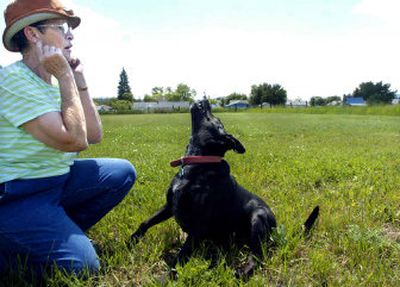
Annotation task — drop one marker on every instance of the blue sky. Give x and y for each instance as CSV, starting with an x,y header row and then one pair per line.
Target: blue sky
x,y
315,16
312,48
260,12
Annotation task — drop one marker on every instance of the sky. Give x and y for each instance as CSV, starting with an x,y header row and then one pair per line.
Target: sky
x,y
217,47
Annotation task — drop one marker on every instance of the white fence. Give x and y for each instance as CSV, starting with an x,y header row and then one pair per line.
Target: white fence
x,y
147,106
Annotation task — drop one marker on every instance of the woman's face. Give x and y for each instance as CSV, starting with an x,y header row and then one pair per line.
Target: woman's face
x,y
58,34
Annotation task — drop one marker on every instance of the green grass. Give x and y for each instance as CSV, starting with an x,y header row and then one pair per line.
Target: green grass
x,y
388,110
347,164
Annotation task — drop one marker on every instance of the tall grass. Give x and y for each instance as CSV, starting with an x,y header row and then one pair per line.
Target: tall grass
x,y
347,164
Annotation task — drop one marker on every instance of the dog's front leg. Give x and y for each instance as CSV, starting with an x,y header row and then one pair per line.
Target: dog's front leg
x,y
187,249
184,254
261,226
160,216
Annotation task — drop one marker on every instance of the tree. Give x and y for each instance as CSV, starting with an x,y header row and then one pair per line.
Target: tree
x,y
378,93
256,95
124,90
121,105
147,98
273,94
157,94
212,101
127,96
333,99
182,93
317,101
345,97
235,96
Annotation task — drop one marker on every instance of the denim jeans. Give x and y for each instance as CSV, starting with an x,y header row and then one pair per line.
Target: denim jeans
x,y
42,221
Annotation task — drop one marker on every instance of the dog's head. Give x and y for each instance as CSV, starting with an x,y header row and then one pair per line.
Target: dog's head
x,y
208,134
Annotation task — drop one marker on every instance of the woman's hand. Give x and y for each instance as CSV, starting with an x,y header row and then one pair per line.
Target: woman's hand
x,y
77,69
76,65
52,60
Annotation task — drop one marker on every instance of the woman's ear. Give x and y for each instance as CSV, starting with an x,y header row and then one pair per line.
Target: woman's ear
x,y
31,34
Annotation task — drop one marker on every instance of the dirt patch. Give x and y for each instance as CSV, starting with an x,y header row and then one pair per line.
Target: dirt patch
x,y
392,232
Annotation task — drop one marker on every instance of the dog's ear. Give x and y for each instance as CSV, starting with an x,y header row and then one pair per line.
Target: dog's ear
x,y
235,144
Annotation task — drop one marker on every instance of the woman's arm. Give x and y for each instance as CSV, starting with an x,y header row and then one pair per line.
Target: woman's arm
x,y
93,121
65,130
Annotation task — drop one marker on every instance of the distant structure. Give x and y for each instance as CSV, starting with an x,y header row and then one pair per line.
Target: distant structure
x,y
355,101
237,104
104,108
162,105
297,103
396,100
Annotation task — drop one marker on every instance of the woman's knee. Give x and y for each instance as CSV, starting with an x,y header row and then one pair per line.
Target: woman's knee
x,y
124,175
129,170
75,256
80,258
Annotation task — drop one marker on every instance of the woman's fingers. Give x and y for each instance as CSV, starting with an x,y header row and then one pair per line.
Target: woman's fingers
x,y
52,59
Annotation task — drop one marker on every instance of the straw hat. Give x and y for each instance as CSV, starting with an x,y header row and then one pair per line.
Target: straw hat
x,y
22,13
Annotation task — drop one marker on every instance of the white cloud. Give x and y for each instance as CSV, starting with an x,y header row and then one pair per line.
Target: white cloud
x,y
388,10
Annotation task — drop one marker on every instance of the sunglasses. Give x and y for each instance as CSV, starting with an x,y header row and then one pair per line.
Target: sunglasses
x,y
64,28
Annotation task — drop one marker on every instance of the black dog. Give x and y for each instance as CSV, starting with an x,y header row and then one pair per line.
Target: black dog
x,y
206,200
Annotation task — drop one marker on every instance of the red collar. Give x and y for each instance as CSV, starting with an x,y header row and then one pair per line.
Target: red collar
x,y
193,159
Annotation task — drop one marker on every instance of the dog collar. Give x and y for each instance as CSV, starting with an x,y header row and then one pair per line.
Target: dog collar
x,y
194,159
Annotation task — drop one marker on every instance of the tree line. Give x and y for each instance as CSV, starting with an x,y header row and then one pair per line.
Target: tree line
x,y
372,93
262,94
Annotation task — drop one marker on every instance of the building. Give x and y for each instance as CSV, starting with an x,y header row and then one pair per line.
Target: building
x,y
296,103
396,99
104,108
164,105
355,101
238,104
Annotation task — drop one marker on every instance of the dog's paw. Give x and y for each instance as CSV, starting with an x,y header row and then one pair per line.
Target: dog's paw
x,y
244,272
134,239
173,274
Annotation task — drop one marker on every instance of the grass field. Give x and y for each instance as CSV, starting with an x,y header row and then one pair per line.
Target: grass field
x,y
347,164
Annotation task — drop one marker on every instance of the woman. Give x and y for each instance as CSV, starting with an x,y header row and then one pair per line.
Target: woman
x,y
48,198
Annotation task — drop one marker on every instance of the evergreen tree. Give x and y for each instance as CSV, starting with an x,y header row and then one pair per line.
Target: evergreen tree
x,y
124,90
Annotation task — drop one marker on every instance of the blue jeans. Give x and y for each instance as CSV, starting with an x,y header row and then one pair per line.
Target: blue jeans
x,y
42,221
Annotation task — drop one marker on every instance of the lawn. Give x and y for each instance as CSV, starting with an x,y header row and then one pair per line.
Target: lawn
x,y
347,164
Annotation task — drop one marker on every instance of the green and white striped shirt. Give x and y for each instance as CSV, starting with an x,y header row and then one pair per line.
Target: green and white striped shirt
x,y
23,97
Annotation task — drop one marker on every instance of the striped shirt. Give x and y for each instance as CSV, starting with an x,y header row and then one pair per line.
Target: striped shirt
x,y
23,97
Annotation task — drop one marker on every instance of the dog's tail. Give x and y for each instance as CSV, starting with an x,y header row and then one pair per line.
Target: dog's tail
x,y
309,223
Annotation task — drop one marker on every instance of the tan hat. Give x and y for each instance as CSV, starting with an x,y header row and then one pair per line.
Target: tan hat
x,y
22,13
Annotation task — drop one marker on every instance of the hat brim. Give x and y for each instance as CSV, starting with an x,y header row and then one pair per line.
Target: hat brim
x,y
18,25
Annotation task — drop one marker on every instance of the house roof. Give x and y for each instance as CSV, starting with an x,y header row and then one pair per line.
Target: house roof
x,y
160,105
296,102
237,103
355,101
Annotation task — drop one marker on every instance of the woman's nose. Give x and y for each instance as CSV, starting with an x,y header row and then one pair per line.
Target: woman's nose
x,y
69,35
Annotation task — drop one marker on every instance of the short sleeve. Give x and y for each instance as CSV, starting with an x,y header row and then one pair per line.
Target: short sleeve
x,y
22,100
